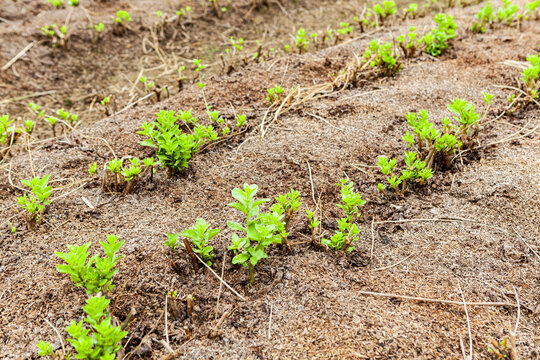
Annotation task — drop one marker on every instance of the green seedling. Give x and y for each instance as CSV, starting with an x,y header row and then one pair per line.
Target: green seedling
x,y
101,341
132,174
532,10
107,105
382,58
104,339
484,17
40,114
411,11
120,22
282,212
58,35
313,224
183,13
98,29
260,230
68,118
56,3
52,121
174,147
414,172
289,202
92,169
384,10
347,229
240,120
35,202
172,242
344,29
29,126
301,40
531,79
74,3
345,236
152,87
428,141
9,134
46,349
200,235
437,40
151,164
409,43
274,94
507,13
115,168
94,274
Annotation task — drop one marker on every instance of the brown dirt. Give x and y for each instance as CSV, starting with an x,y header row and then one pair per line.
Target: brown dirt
x,y
305,304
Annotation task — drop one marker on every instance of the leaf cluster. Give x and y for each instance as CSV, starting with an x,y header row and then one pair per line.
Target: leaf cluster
x,y
200,235
260,230
94,274
174,148
347,229
382,58
485,16
35,202
437,40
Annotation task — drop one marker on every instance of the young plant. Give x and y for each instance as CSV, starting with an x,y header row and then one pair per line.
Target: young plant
x,y
174,148
382,58
532,10
289,202
530,84
172,242
35,202
507,12
101,341
58,35
384,10
56,3
98,29
301,40
485,17
120,22
260,231
240,120
430,143
132,174
411,11
437,40
347,229
408,44
200,235
152,87
95,274
115,168
274,94
92,169
70,119
9,134
313,224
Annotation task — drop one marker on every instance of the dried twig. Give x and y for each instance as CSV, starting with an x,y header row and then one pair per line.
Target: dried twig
x,y
18,56
59,337
468,325
451,302
312,187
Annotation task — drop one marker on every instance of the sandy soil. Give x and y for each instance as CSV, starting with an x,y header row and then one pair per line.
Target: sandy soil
x,y
472,232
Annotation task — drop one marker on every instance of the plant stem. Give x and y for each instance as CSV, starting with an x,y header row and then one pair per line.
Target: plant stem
x,y
251,275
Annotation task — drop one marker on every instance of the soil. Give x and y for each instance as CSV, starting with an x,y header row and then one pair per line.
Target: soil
x,y
472,233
